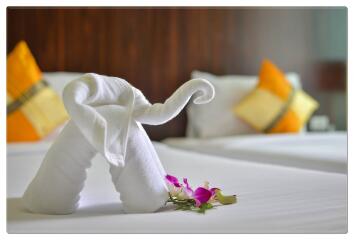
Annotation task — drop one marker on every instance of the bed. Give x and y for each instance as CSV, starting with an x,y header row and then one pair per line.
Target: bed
x,y
317,151
271,198
284,183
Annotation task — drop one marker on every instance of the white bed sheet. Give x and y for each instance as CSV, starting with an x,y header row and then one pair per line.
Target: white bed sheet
x,y
317,151
271,199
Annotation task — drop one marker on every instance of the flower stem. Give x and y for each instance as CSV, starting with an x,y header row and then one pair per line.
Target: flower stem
x,y
181,202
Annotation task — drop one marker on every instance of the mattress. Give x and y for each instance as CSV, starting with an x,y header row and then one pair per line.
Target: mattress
x,y
317,151
271,198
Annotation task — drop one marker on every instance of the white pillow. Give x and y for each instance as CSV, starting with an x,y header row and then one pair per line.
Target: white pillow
x,y
58,80
216,118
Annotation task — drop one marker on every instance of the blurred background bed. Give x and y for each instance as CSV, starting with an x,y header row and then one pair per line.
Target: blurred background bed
x,y
156,49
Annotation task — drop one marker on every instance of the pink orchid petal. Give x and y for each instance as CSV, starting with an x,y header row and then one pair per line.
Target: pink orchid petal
x,y
213,191
197,203
173,180
188,189
202,195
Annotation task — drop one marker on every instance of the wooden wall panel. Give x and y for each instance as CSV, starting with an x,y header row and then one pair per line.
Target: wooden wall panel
x,y
155,49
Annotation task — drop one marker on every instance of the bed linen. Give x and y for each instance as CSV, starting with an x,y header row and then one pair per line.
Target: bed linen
x,y
317,151
271,199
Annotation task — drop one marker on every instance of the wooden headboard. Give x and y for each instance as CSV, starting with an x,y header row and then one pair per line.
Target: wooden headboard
x,y
156,49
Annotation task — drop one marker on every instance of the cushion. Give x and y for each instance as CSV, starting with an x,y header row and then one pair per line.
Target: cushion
x,y
33,108
217,119
58,80
275,106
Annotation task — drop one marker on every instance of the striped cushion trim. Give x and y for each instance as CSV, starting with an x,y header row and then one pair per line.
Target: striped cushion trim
x,y
281,113
26,96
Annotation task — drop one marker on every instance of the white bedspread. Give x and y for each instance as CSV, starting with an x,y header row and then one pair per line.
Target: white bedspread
x,y
271,199
317,151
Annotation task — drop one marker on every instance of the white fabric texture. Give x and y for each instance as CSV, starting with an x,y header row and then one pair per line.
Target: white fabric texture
x,y
217,118
271,198
317,151
106,116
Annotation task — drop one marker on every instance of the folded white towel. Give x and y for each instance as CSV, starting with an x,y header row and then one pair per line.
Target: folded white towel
x,y
106,116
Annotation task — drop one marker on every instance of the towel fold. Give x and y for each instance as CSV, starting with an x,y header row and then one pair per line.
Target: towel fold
x,y
106,116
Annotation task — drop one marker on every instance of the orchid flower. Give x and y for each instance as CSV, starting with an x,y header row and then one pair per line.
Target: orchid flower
x,y
201,195
188,190
173,185
199,199
172,180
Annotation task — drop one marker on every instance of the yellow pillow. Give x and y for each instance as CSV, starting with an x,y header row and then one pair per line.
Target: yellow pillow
x,y
33,108
274,106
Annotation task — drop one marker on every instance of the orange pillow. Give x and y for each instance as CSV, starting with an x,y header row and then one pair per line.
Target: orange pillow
x,y
274,106
33,108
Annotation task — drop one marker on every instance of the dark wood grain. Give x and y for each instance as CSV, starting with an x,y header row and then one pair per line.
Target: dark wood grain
x,y
156,49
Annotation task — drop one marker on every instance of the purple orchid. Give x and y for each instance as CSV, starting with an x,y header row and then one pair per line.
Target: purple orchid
x,y
213,190
175,188
188,190
201,195
201,198
173,180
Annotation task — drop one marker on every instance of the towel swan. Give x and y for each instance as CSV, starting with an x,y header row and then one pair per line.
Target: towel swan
x,y
106,117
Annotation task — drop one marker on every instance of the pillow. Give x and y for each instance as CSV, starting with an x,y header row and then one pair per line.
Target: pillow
x,y
58,80
216,119
33,108
275,106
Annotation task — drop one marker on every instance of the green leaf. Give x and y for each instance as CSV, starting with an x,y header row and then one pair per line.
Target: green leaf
x,y
204,207
225,199
201,211
208,205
